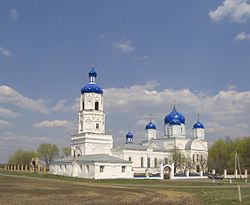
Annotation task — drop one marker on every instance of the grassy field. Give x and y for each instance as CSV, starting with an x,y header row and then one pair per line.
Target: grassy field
x,y
21,188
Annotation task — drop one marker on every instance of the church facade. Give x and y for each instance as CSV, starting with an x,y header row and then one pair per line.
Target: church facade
x,y
93,154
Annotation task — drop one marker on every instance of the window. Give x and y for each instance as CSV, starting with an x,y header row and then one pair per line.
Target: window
x,y
166,160
123,168
129,159
141,161
96,106
101,168
197,158
82,105
97,126
148,162
87,168
155,162
81,125
201,158
181,130
193,158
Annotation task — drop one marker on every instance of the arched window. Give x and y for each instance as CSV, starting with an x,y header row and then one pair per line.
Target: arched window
x,y
141,161
155,162
97,126
96,106
129,159
148,162
82,105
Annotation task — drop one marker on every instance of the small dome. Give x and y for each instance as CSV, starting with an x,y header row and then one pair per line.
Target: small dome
x,y
198,124
150,125
129,135
175,121
91,88
92,73
176,116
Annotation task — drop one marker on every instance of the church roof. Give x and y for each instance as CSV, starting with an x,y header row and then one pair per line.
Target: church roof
x,y
137,147
198,124
83,159
92,87
174,117
150,125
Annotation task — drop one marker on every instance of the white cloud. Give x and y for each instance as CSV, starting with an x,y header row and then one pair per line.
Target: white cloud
x,y
236,10
242,36
5,51
124,47
224,113
53,124
14,14
11,96
4,123
7,112
61,107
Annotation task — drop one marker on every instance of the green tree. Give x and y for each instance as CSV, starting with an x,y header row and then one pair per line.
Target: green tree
x,y
218,156
66,151
47,152
222,155
22,157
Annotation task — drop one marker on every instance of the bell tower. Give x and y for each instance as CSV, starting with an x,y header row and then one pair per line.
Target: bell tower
x,y
91,137
91,113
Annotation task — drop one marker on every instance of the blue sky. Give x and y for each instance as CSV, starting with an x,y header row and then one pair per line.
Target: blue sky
x,y
146,53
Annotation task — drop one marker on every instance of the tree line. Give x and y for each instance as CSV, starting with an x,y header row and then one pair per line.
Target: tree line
x,y
222,154
45,152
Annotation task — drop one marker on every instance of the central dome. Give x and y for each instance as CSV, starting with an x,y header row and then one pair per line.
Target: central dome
x,y
174,117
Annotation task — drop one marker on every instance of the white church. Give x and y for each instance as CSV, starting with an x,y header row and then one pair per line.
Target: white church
x,y
94,156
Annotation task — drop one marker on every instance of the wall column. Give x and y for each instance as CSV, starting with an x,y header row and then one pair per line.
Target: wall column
x,y
225,173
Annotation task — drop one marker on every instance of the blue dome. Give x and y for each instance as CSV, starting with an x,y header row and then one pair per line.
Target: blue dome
x,y
129,135
175,121
92,73
150,125
91,88
174,116
198,124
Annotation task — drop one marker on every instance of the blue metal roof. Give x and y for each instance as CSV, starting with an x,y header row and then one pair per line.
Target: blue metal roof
x,y
150,125
129,135
176,116
92,73
91,88
175,121
198,124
